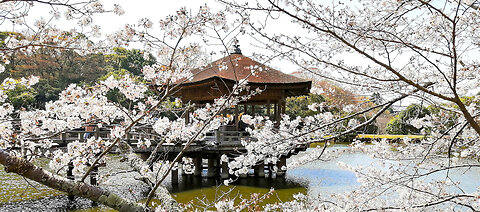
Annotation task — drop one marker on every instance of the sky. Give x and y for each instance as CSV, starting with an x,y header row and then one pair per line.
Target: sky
x,y
152,9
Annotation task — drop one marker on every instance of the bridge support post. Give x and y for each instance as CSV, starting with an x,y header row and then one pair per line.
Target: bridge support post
x,y
174,176
70,177
211,166
224,170
259,170
93,176
63,136
93,180
180,168
282,161
197,162
243,175
270,170
97,132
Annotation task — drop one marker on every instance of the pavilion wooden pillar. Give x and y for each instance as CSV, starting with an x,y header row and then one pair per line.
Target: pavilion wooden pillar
x,y
253,110
268,108
236,118
282,104
277,112
187,116
279,108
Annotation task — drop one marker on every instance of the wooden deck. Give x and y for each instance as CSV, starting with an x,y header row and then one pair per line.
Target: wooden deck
x,y
224,141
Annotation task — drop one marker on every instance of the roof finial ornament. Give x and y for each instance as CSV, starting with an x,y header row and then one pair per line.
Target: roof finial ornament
x,y
236,47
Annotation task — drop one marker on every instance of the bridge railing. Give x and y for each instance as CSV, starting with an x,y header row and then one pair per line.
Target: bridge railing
x,y
222,136
230,137
132,137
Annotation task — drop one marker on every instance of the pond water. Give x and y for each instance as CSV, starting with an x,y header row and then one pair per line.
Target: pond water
x,y
320,177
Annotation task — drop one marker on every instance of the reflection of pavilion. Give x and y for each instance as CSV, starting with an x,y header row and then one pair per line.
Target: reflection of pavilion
x,y
217,80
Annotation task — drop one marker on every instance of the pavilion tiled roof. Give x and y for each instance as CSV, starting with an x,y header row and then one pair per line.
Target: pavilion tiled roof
x,y
236,67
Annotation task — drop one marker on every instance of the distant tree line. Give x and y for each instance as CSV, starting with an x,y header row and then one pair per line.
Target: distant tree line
x,y
58,68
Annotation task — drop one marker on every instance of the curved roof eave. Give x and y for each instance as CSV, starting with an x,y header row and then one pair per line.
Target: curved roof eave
x,y
186,83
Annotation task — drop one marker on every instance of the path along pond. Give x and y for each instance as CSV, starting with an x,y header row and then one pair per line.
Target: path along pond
x,y
317,177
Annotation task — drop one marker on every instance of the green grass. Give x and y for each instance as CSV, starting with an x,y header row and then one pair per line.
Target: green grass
x,y
14,188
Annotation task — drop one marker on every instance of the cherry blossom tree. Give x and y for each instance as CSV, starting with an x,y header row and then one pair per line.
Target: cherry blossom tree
x,y
427,50
421,49
28,134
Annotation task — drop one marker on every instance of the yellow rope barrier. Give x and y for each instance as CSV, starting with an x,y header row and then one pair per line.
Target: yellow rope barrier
x,y
372,136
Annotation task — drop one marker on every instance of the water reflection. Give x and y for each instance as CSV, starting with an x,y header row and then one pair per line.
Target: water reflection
x,y
201,193
190,182
325,177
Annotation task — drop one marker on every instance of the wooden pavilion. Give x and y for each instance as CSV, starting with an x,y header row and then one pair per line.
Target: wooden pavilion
x,y
218,79
212,82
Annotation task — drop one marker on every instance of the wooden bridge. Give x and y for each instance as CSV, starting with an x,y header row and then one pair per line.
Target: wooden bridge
x,y
206,152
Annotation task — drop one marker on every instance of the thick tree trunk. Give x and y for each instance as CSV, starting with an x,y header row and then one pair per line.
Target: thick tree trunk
x,y
29,170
